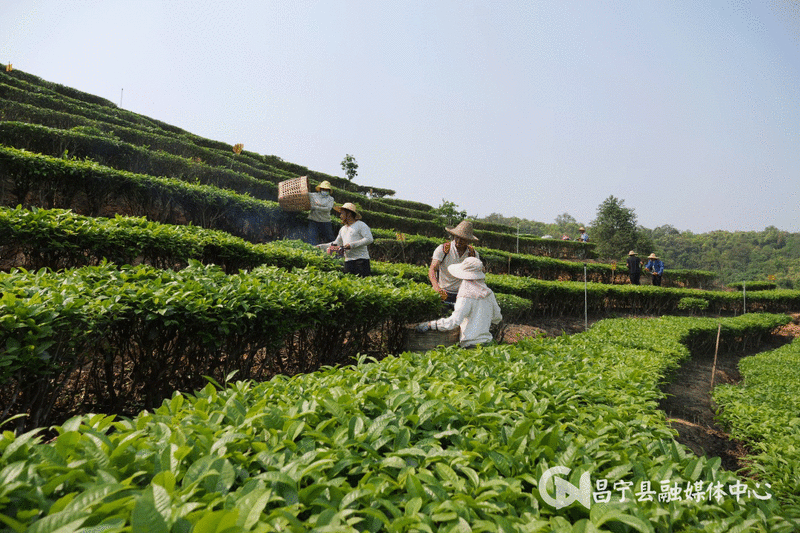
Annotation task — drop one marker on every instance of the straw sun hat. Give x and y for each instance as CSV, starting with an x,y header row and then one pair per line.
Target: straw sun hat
x,y
463,230
652,256
469,268
347,206
631,253
324,185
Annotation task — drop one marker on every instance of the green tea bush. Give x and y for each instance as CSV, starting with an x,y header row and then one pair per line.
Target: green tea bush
x,y
53,182
763,411
753,285
693,304
448,440
55,238
118,338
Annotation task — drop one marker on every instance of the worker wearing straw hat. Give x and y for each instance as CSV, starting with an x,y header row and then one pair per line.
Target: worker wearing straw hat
x,y
656,267
320,228
634,267
476,307
451,253
354,237
583,237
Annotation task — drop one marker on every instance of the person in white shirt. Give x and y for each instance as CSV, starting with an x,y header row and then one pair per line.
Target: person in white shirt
x,y
320,228
353,239
476,307
451,253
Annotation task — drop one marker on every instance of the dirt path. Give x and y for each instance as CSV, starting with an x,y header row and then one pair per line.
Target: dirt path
x,y
688,404
691,411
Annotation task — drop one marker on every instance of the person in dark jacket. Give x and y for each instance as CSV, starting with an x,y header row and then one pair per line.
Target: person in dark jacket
x,y
634,267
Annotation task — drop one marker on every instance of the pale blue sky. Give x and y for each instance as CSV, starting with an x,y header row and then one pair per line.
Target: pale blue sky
x,y
687,110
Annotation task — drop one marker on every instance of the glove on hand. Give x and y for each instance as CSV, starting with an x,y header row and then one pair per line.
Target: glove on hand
x,y
443,294
422,327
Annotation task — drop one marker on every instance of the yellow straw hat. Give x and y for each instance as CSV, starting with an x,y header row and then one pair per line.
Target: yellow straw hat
x,y
463,230
347,206
324,185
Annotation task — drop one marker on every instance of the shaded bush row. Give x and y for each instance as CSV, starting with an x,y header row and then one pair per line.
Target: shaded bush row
x,y
89,188
59,239
121,339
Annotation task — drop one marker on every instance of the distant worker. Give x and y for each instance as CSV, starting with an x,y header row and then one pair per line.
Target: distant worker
x,y
451,253
476,307
634,267
564,237
353,239
584,237
320,228
656,267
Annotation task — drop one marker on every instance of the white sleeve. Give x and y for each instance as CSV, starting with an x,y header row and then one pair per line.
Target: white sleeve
x,y
460,311
497,315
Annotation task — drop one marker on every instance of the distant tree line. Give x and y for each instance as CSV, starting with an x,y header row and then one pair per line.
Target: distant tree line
x,y
749,256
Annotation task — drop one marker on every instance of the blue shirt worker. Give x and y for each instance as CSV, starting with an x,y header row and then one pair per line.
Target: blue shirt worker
x,y
584,237
656,267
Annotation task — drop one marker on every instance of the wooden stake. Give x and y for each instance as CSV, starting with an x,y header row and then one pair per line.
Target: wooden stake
x,y
714,368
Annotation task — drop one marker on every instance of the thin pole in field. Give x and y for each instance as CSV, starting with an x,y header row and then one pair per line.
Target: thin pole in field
x,y
744,297
714,367
585,300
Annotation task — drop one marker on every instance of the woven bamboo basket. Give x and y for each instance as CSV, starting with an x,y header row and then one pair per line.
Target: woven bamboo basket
x,y
422,342
293,194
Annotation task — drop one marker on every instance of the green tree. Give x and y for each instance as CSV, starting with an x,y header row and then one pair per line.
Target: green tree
x,y
449,213
567,224
615,231
350,166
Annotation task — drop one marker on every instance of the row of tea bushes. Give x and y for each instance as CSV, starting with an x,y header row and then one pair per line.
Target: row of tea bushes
x,y
117,338
763,410
449,440
85,142
415,249
89,188
57,239
46,121
753,286
569,298
146,153
49,122
28,98
93,189
500,238
553,298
